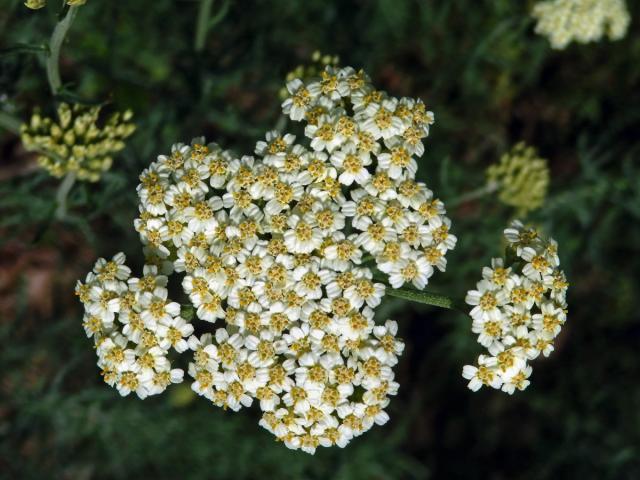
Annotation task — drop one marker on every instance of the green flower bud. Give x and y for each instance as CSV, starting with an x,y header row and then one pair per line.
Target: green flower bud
x,y
521,178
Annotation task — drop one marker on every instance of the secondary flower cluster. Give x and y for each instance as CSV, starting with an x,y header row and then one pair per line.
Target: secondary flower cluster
x,y
521,178
518,310
134,326
272,249
77,143
583,21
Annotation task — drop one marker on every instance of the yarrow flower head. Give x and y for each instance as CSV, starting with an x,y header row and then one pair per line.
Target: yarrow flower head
x,y
519,308
521,178
583,21
76,142
275,251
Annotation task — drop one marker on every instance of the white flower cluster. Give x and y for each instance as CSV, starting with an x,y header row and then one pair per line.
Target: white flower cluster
x,y
518,310
584,21
134,326
274,247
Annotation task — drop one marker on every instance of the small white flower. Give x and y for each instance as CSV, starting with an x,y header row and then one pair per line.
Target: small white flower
x,y
352,165
173,333
301,237
416,271
519,380
484,374
299,102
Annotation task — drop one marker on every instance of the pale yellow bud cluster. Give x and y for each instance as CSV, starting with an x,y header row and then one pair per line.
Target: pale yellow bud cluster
x,y
521,177
583,21
37,4
75,142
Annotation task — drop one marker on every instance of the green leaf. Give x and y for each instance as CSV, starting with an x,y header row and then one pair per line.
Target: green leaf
x,y
427,298
24,48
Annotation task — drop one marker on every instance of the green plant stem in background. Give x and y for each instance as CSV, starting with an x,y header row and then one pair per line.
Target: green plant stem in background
x,y
55,44
281,124
202,26
205,22
62,194
473,195
9,122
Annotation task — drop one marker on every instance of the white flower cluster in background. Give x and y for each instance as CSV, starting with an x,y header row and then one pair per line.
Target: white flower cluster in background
x,y
274,250
518,310
583,21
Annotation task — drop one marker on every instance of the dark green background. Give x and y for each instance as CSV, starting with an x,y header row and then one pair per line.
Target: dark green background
x,y
491,83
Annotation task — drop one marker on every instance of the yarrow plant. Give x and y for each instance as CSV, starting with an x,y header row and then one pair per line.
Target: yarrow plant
x,y
279,251
76,145
583,21
519,308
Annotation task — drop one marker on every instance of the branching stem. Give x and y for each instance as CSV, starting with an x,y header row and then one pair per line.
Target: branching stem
x,y
55,44
473,194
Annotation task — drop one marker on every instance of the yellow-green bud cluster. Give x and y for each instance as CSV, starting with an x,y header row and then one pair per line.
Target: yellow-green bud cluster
x,y
521,178
37,4
76,143
583,21
305,72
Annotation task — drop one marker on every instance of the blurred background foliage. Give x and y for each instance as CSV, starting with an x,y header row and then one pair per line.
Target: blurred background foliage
x,y
491,83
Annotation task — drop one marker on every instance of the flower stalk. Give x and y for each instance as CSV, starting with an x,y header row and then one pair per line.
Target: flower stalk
x,y
62,194
202,26
483,191
55,45
206,22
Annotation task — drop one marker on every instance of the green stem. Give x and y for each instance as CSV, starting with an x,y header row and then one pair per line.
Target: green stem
x,y
9,122
55,44
473,194
202,26
281,123
63,193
